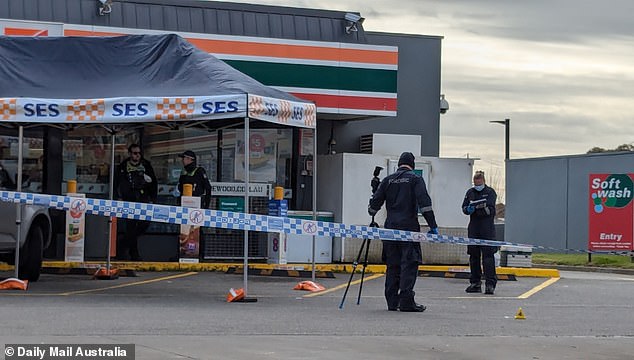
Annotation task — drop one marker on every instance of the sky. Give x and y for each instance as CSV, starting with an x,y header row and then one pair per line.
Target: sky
x,y
561,70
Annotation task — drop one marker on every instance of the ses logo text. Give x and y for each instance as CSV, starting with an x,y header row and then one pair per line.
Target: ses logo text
x,y
124,109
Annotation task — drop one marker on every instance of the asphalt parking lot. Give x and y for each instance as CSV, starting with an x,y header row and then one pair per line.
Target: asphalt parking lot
x,y
175,315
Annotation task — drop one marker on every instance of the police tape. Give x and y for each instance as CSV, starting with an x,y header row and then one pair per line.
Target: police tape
x,y
230,220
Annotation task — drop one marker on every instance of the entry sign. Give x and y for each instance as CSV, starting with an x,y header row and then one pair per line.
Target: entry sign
x,y
611,212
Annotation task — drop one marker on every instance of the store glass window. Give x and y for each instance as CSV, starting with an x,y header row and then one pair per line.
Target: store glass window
x,y
87,158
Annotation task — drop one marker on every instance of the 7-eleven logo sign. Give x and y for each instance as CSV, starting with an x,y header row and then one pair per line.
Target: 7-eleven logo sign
x,y
9,31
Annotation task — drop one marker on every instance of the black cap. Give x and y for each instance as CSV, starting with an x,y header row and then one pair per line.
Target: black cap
x,y
407,158
189,154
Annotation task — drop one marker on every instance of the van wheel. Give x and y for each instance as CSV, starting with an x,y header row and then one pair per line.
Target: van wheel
x,y
31,255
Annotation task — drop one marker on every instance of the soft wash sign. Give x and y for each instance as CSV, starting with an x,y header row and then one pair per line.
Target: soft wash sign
x,y
611,214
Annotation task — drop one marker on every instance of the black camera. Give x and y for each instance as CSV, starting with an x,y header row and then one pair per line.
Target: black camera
x,y
374,183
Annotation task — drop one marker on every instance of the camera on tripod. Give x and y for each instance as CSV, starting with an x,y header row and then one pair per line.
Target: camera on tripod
x,y
374,184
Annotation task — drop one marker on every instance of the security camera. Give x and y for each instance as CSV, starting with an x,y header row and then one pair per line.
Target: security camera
x,y
352,17
105,7
444,105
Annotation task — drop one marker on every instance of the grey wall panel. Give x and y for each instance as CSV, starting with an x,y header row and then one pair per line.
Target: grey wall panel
x,y
44,10
224,24
288,26
275,25
16,9
143,17
536,202
183,19
249,24
262,24
327,27
314,29
210,19
197,21
74,13
170,20
30,10
301,30
156,18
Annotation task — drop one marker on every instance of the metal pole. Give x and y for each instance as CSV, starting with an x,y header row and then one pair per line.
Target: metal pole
x,y
247,153
18,207
507,138
112,142
314,197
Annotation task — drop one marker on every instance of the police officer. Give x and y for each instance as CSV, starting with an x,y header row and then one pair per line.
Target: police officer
x,y
135,181
195,175
404,193
479,204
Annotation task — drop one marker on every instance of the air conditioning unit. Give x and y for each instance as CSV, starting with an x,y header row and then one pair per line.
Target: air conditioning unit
x,y
389,144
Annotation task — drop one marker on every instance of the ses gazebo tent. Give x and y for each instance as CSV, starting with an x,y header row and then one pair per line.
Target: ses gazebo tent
x,y
135,80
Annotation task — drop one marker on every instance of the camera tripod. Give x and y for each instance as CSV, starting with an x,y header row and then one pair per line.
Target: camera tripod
x,y
364,245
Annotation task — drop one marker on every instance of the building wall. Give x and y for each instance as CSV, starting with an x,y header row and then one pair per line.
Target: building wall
x,y
418,64
418,96
547,198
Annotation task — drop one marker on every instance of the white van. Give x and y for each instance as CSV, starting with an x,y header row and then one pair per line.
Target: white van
x,y
35,233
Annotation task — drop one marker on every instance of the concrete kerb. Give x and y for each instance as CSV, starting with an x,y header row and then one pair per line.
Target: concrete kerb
x,y
335,268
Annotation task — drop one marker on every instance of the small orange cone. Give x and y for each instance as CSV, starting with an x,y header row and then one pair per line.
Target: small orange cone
x,y
14,284
309,286
102,273
520,315
235,295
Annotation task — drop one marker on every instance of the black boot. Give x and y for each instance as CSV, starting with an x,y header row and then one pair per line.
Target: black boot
x,y
489,289
415,308
474,288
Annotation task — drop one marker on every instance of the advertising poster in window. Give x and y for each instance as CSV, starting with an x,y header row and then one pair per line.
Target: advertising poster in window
x,y
262,162
611,213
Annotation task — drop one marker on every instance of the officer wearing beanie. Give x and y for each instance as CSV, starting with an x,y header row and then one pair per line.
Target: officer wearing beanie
x,y
479,204
403,193
195,175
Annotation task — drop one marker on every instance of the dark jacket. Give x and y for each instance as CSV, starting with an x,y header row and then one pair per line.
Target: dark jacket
x,y
481,220
196,176
130,184
404,193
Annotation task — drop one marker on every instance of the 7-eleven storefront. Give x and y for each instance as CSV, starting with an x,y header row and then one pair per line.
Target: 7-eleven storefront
x,y
346,81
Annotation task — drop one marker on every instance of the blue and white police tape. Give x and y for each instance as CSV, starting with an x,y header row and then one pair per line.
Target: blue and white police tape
x,y
230,220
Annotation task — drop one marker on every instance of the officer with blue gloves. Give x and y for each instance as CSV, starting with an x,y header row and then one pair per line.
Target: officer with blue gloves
x,y
479,204
403,193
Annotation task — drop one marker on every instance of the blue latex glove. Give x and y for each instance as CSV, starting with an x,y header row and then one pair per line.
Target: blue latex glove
x,y
470,209
433,231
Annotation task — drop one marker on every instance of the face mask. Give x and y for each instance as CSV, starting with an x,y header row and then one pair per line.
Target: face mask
x,y
478,187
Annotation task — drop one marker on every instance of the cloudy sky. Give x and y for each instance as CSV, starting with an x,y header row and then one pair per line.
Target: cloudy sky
x,y
561,70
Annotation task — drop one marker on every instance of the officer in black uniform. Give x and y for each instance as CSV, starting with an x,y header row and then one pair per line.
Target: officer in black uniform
x,y
135,181
404,193
195,175
479,204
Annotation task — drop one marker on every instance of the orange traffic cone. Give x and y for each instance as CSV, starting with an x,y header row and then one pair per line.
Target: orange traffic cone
x,y
309,286
13,284
235,295
102,273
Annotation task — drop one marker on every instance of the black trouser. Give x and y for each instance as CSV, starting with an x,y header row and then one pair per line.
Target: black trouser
x,y
488,263
402,260
133,229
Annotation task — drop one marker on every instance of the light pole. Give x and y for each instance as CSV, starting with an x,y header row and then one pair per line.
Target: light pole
x,y
507,126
